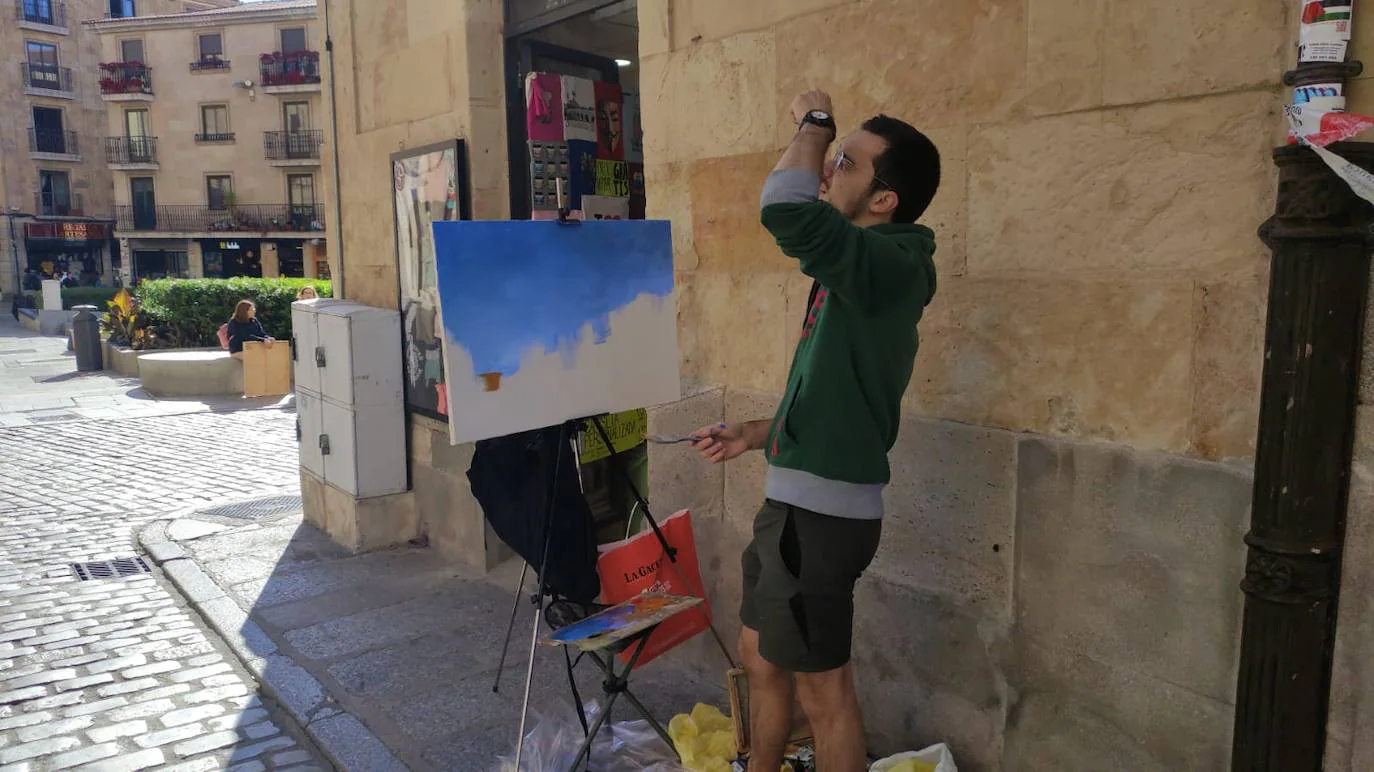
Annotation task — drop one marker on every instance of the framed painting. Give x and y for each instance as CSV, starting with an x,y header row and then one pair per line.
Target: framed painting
x,y
429,184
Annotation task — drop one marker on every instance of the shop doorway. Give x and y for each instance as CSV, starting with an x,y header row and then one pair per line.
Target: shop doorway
x,y
291,259
577,126
159,264
595,42
228,258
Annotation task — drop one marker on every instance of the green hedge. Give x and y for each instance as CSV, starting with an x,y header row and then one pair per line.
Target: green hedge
x,y
187,312
88,296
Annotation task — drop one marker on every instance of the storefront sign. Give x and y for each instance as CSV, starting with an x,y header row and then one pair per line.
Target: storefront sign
x,y
67,231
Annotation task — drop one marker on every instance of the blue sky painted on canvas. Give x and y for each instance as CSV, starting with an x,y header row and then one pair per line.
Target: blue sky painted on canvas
x,y
508,286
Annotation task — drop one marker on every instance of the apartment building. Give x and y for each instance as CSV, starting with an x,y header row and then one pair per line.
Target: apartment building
x,y
212,135
55,187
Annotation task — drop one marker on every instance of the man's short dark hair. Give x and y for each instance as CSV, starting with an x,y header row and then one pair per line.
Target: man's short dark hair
x,y
910,166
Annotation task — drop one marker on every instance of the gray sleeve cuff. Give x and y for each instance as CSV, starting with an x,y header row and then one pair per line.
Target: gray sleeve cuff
x,y
790,186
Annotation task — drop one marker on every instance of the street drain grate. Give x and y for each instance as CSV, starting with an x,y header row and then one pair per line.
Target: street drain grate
x,y
119,568
51,417
256,509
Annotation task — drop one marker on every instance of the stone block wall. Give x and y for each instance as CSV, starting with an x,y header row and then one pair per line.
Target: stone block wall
x,y
1058,582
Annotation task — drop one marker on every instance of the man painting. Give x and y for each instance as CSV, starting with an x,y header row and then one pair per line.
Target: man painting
x,y
850,223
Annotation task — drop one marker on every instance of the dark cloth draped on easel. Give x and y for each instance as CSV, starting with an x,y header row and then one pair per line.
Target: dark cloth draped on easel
x,y
511,477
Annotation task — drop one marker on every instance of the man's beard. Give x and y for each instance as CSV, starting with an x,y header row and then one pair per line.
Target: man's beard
x,y
852,211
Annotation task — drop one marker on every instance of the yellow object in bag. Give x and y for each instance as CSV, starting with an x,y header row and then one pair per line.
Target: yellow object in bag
x,y
704,739
912,765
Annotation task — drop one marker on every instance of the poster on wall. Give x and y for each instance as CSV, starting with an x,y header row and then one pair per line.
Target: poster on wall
x,y
429,185
634,131
544,107
610,122
603,339
579,109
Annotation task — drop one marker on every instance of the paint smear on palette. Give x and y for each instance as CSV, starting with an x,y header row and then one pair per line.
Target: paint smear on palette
x,y
510,287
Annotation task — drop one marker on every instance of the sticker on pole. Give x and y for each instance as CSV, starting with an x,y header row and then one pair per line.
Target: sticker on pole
x,y
1325,31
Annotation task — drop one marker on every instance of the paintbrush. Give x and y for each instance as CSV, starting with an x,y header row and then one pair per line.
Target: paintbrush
x,y
674,439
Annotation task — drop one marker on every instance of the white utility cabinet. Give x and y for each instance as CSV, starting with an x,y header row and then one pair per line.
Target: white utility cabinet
x,y
350,396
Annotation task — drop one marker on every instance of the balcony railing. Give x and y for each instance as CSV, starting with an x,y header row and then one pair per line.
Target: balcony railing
x,y
48,76
125,78
53,141
50,205
292,145
209,63
293,69
238,218
131,150
229,137
49,12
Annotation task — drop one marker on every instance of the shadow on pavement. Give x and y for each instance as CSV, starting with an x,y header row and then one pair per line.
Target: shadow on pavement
x,y
392,652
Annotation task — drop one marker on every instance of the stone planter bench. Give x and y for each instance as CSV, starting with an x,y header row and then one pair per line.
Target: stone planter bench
x,y
123,361
190,373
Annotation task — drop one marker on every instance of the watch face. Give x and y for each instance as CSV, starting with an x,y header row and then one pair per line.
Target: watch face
x,y
820,115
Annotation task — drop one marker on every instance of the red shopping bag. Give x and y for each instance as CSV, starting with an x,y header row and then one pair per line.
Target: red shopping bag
x,y
639,563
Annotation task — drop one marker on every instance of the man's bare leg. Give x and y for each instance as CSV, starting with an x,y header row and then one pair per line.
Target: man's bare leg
x,y
832,707
770,705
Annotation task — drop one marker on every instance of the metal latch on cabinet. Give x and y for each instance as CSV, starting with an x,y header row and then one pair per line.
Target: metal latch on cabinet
x,y
324,444
319,356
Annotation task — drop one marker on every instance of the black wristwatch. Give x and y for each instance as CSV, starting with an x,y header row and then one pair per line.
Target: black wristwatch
x,y
819,118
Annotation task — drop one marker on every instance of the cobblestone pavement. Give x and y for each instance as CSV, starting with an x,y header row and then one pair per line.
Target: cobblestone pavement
x,y
118,674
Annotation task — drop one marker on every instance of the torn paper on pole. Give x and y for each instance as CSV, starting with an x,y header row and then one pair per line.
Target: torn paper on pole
x,y
1318,129
1325,32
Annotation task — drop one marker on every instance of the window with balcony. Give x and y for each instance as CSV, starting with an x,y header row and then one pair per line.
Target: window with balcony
x,y
55,194
214,124
210,52
292,40
43,70
300,193
219,191
49,134
131,51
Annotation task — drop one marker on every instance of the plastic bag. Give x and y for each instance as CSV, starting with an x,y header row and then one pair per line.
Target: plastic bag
x,y
620,746
630,567
936,758
705,739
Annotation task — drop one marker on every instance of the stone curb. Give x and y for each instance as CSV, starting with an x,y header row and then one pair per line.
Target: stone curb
x,y
340,735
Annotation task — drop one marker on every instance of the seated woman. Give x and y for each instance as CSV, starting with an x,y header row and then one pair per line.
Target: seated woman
x,y
307,293
243,327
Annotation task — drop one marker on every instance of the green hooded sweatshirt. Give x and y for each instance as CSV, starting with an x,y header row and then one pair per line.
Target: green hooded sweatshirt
x,y
828,443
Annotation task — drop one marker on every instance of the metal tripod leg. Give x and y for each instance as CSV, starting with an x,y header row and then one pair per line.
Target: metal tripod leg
x,y
585,752
510,628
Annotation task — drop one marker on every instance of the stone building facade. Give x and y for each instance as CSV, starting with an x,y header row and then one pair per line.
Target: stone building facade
x,y
214,132
1058,582
55,186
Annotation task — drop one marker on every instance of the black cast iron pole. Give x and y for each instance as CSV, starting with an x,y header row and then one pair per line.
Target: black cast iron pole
x,y
1320,236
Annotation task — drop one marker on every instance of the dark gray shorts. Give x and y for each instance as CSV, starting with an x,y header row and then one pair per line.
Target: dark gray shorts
x,y
799,575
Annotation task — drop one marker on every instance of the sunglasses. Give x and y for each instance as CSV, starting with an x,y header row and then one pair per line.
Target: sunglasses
x,y
844,162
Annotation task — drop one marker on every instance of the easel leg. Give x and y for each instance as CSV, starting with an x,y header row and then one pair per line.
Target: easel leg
x,y
543,586
510,628
529,681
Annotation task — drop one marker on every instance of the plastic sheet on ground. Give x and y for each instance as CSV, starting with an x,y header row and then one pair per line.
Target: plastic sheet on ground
x,y
554,736
936,758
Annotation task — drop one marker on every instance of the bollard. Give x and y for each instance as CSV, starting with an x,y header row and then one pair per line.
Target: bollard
x,y
86,339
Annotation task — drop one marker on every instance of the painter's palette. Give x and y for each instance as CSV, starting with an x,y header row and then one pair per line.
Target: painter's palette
x,y
621,621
